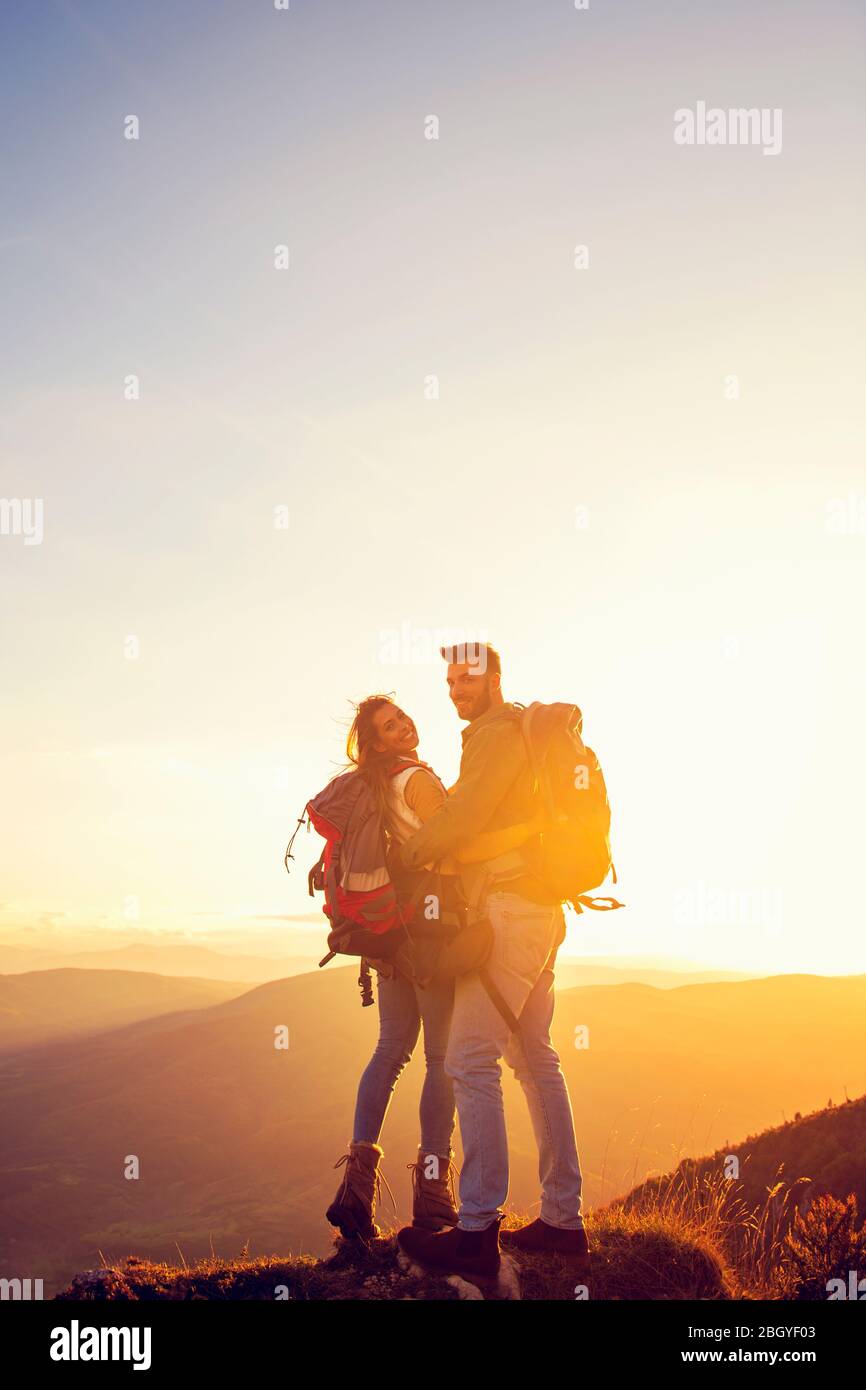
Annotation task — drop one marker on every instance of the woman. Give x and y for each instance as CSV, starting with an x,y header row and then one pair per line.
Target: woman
x,y
383,747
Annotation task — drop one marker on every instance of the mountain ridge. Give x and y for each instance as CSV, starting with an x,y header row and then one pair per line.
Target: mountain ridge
x,y
237,1139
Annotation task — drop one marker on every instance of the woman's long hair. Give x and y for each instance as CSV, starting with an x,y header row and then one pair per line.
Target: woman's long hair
x,y
373,765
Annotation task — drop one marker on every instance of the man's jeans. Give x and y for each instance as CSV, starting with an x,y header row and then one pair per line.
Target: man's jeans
x,y
402,1010
525,933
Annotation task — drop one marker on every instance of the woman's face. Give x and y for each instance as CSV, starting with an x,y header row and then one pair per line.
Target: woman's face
x,y
394,731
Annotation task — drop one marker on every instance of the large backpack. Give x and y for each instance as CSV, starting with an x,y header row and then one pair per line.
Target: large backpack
x,y
419,924
375,908
572,856
352,871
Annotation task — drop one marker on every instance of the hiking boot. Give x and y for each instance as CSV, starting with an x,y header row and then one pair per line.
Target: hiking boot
x,y
433,1203
539,1238
455,1251
355,1203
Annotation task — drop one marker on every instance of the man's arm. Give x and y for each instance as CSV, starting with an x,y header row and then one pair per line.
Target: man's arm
x,y
491,761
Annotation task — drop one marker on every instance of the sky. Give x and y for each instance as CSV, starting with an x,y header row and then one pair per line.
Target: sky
x,y
266,489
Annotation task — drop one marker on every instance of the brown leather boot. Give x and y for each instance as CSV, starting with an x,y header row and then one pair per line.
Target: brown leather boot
x,y
433,1203
456,1251
355,1203
538,1238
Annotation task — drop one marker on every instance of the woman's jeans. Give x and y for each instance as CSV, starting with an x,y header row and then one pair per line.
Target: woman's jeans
x,y
403,1007
526,937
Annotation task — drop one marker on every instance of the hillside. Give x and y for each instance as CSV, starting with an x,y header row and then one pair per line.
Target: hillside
x,y
684,1264
48,1005
827,1149
237,1140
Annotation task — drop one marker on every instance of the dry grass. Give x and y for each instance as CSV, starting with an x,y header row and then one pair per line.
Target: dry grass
x,y
683,1237
354,1272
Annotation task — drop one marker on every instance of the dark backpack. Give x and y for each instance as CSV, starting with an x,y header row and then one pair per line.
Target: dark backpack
x,y
417,923
374,907
573,855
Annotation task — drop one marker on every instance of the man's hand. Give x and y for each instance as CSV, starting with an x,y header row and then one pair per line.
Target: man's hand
x,y
543,821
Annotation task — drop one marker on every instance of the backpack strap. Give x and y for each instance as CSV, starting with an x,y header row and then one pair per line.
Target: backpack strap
x,y
315,878
540,786
498,1001
596,904
404,764
494,994
420,892
288,854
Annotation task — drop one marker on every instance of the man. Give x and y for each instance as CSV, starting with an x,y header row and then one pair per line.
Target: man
x,y
495,790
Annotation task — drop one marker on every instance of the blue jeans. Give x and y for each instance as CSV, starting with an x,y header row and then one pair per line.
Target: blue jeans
x,y
402,1009
525,935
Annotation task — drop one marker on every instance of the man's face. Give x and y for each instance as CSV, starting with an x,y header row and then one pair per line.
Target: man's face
x,y
470,689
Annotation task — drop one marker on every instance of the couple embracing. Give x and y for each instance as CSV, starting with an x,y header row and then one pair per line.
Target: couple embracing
x,y
478,831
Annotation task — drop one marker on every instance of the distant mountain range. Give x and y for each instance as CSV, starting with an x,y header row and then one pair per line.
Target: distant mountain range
x,y
197,961
46,1005
237,1140
571,972
310,945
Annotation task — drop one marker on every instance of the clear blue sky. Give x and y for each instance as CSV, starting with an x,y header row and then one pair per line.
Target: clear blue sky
x,y
706,617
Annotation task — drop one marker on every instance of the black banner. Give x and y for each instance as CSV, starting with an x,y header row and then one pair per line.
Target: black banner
x,y
162,1337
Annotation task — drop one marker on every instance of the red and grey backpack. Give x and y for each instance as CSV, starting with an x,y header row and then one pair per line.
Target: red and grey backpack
x,y
361,900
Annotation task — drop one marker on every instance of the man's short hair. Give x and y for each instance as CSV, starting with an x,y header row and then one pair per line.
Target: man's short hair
x,y
479,654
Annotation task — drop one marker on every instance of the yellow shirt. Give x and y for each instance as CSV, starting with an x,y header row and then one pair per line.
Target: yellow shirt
x,y
424,794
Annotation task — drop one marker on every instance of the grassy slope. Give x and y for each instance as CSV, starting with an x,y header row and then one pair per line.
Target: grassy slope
x,y
632,1259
